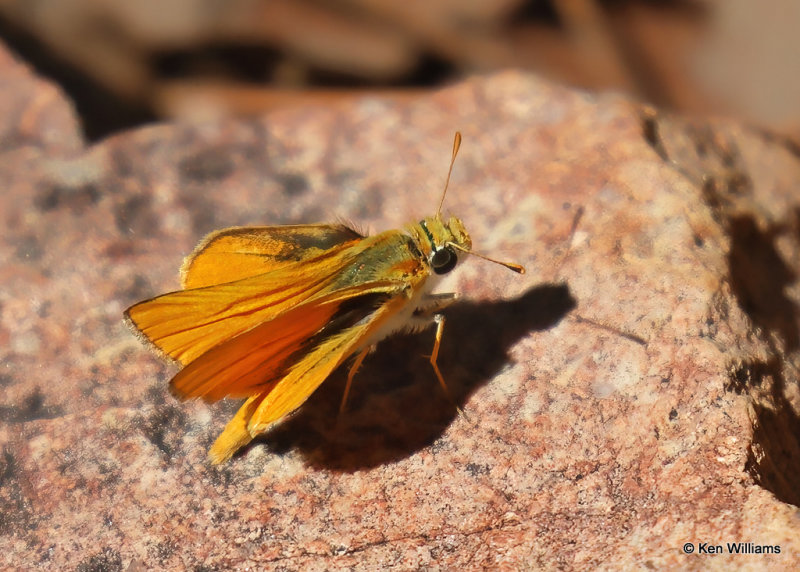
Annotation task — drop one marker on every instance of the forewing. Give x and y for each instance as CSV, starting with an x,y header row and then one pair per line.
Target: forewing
x,y
255,361
241,252
186,324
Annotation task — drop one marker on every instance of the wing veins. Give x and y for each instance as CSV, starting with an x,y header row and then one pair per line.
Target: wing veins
x,y
213,375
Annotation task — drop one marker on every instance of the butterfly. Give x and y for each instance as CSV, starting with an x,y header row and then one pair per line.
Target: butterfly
x,y
268,313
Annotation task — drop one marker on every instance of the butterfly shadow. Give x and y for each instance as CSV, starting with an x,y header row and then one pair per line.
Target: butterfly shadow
x,y
396,406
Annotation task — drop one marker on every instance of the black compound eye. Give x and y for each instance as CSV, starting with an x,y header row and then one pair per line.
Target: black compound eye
x,y
443,260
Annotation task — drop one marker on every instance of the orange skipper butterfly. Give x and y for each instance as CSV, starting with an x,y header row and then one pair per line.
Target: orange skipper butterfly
x,y
268,313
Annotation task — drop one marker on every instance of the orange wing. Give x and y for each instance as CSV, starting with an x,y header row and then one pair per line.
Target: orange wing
x,y
241,252
186,324
254,361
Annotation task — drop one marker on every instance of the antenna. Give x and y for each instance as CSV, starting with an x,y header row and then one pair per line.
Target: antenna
x,y
518,268
456,147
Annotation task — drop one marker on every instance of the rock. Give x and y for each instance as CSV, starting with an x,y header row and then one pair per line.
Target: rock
x,y
635,391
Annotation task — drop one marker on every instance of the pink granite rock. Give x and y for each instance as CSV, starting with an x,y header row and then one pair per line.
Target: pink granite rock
x,y
635,391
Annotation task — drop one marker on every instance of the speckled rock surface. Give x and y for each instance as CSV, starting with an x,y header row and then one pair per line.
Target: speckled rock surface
x,y
636,390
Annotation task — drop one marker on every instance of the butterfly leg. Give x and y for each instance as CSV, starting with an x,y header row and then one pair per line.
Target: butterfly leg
x,y
351,374
438,319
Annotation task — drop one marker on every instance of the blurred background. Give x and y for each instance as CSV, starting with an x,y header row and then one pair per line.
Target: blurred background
x,y
125,63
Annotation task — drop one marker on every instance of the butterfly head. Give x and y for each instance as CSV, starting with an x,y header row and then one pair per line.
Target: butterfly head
x,y
441,240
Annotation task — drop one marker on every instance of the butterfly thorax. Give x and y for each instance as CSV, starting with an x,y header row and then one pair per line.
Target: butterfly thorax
x,y
439,241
